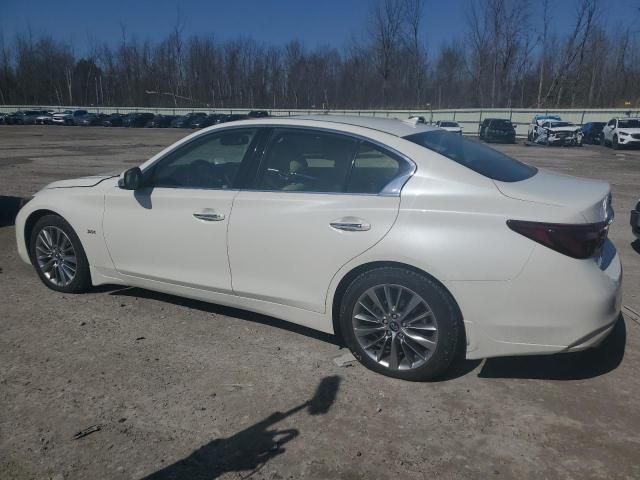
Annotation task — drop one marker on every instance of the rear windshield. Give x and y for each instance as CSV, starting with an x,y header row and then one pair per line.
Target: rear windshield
x,y
474,155
448,124
501,123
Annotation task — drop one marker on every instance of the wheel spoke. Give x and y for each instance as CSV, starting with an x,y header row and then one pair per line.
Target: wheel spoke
x,y
419,317
362,304
382,348
413,303
424,328
372,294
374,342
368,330
387,298
415,352
420,340
363,317
394,354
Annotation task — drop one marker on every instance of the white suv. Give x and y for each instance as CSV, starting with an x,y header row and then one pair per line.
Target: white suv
x,y
622,132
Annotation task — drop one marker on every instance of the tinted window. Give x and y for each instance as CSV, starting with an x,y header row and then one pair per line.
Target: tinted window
x,y
209,162
373,169
501,123
448,124
631,123
474,155
306,161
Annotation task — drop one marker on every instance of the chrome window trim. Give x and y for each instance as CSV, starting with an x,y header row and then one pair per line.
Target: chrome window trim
x,y
392,189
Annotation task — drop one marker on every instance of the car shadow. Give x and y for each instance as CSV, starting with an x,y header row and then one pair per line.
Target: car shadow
x,y
251,448
636,246
9,207
590,363
222,310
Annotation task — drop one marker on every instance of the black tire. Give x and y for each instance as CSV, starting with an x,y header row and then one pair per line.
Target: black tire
x,y
615,144
450,330
82,278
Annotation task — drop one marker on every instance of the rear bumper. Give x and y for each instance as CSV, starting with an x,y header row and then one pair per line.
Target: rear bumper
x,y
556,304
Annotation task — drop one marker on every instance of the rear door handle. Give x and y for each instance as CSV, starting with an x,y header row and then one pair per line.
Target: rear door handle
x,y
209,217
351,224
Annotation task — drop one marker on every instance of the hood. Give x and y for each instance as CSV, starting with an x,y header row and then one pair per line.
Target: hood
x,y
90,181
581,197
572,128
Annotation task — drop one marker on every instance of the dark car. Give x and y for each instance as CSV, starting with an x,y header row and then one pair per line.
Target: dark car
x,y
202,122
187,120
2,117
24,117
592,132
497,130
113,120
161,121
91,119
635,221
137,120
233,117
258,114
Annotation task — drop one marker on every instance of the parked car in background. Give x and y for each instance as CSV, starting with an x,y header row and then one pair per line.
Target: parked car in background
x,y
3,116
207,121
234,117
67,117
536,124
112,120
187,120
622,132
418,119
422,244
91,119
559,133
497,130
161,121
635,221
258,114
592,132
137,120
24,117
45,118
449,126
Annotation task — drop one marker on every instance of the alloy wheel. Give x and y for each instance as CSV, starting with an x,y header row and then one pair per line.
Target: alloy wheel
x,y
56,256
395,327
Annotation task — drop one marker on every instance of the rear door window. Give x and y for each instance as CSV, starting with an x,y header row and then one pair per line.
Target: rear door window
x,y
478,157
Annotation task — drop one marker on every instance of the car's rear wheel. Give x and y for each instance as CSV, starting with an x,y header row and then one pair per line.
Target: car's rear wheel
x,y
58,256
400,323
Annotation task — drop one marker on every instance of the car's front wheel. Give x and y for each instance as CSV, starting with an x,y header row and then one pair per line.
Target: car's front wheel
x,y
58,256
400,323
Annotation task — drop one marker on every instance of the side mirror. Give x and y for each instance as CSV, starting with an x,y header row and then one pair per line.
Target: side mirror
x,y
131,179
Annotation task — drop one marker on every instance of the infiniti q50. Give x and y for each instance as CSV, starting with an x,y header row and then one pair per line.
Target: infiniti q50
x,y
411,243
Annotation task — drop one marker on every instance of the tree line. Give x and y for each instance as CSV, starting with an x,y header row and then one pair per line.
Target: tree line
x,y
508,56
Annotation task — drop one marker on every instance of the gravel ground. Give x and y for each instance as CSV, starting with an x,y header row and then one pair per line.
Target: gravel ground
x,y
175,388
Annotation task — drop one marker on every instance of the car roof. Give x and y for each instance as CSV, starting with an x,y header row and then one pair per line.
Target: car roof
x,y
392,126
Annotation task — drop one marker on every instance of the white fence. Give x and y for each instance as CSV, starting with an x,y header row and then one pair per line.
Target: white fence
x,y
469,119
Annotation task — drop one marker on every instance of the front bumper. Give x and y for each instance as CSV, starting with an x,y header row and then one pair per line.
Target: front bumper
x,y
628,140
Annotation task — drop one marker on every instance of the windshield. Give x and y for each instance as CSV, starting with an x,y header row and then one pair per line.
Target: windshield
x,y
448,124
501,123
474,155
631,123
561,124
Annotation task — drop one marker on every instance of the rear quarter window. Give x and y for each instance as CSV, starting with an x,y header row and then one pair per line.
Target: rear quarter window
x,y
474,155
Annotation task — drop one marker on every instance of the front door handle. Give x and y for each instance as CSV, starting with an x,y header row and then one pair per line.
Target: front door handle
x,y
209,217
351,224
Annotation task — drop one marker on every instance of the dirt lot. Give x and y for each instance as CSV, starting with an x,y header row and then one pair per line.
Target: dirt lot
x,y
186,390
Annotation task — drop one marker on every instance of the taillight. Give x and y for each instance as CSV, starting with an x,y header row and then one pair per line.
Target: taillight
x,y
575,240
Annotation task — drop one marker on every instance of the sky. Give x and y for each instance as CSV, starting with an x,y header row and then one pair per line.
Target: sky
x,y
275,22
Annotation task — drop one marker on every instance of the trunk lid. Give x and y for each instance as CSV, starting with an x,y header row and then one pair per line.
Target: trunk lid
x,y
584,199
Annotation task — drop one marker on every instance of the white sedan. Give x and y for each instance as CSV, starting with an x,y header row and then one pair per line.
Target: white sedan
x,y
412,243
